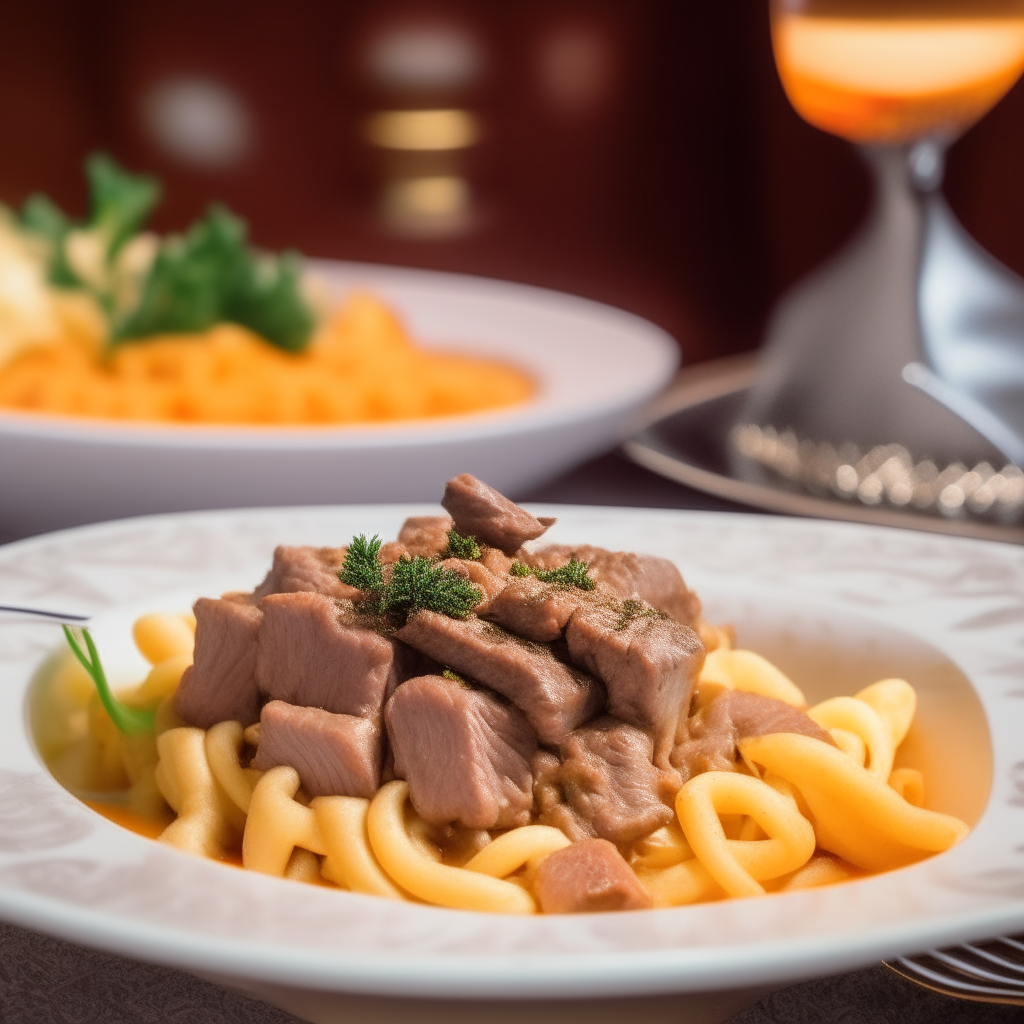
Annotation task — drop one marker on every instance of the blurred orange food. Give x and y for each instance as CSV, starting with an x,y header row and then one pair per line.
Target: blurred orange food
x,y
360,367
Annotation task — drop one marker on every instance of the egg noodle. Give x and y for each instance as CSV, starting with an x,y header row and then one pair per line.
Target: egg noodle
x,y
796,813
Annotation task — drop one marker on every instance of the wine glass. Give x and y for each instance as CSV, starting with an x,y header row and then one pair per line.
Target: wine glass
x,y
906,351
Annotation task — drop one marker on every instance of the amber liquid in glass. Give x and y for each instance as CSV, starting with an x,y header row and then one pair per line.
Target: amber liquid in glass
x,y
892,72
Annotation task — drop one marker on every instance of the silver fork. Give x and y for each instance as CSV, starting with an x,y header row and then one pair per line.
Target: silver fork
x,y
986,972
44,614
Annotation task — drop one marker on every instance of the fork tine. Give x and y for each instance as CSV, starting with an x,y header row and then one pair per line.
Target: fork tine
x,y
954,986
972,970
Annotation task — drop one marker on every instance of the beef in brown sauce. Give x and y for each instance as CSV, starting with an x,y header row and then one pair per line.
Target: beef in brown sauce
x,y
425,536
713,733
220,684
608,778
648,663
309,655
534,610
588,877
626,575
305,568
465,754
555,697
482,512
335,755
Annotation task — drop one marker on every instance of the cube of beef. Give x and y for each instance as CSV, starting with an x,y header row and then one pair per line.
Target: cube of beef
x,y
607,776
425,536
535,610
625,575
555,697
306,568
715,731
335,755
220,684
308,654
465,754
648,663
482,512
588,877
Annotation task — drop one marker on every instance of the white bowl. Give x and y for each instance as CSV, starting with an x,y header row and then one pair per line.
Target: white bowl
x,y
595,367
837,605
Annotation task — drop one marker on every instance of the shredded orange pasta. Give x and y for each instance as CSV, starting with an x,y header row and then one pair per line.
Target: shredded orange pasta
x,y
360,367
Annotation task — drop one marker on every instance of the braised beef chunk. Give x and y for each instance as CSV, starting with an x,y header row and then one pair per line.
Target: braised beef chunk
x,y
535,610
307,654
647,662
482,512
220,684
335,755
425,536
625,575
465,754
607,776
555,697
730,717
306,568
549,801
588,877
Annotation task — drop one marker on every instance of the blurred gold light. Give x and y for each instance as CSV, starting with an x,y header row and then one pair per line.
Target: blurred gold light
x,y
440,196
423,129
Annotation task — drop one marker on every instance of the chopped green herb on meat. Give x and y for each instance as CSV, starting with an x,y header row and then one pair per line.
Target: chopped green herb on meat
x,y
460,546
361,568
410,583
574,573
417,583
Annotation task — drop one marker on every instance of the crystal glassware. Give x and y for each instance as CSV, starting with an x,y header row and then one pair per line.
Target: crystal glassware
x,y
908,345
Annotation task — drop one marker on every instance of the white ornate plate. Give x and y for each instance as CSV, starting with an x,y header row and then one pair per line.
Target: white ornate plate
x,y
837,605
594,366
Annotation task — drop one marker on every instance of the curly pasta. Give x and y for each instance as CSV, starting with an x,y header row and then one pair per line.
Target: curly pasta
x,y
793,814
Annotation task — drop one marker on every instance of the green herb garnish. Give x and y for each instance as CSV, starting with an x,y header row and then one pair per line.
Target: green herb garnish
x,y
411,584
461,546
361,568
128,720
453,676
208,276
178,284
574,573
417,583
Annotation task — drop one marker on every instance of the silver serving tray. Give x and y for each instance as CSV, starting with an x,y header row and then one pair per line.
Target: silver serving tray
x,y
685,436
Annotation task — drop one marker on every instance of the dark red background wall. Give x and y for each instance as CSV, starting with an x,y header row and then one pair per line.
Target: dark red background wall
x,y
688,191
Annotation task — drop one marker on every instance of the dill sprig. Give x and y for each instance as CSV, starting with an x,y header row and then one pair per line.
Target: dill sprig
x,y
461,546
361,568
418,583
412,583
128,720
575,573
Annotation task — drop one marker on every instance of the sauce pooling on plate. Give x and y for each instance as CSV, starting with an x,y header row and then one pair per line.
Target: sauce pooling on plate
x,y
469,717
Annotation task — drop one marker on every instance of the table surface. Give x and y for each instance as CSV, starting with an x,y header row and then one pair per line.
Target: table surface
x,y
46,981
